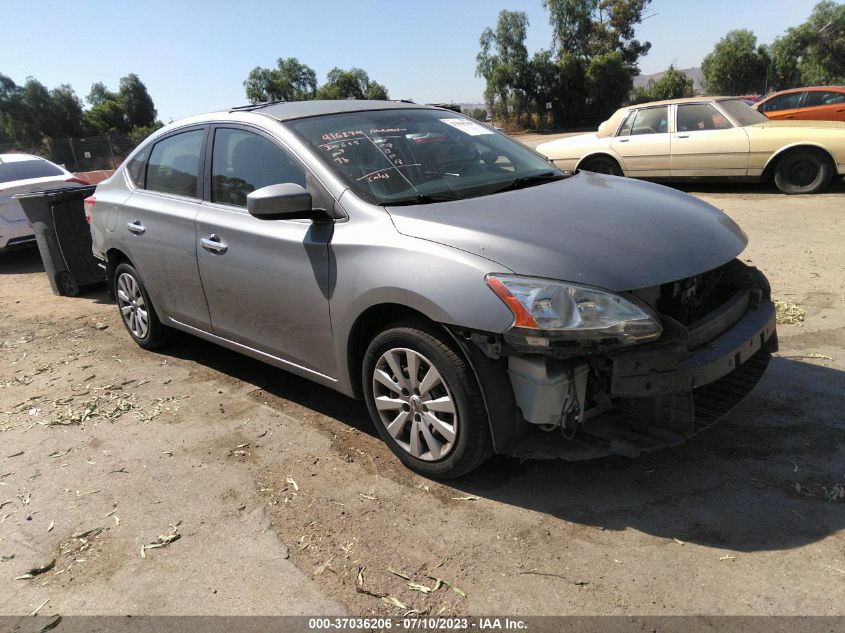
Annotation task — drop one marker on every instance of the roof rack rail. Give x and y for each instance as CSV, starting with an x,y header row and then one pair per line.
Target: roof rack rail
x,y
255,106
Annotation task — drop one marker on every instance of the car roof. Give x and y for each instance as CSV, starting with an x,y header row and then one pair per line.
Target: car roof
x,y
805,88
289,110
17,158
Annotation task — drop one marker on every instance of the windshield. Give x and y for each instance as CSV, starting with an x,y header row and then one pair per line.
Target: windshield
x,y
408,156
742,113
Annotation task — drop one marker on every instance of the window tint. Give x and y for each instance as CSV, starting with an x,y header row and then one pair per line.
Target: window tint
x,y
693,117
650,121
174,164
25,169
137,167
243,162
783,102
822,98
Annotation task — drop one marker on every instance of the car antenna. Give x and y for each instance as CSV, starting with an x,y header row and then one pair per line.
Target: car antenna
x,y
255,106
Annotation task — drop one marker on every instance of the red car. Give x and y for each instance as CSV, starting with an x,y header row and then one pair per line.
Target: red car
x,y
816,103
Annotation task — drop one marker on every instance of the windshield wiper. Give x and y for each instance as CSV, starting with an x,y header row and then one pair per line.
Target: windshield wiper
x,y
528,181
423,198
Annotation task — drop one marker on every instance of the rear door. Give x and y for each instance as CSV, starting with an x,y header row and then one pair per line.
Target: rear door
x,y
643,143
267,281
706,143
156,226
824,105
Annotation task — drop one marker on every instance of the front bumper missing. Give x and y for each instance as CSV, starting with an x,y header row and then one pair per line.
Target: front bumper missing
x,y
670,391
674,368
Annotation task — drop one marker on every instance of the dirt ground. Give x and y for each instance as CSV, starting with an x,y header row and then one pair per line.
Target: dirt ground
x,y
279,490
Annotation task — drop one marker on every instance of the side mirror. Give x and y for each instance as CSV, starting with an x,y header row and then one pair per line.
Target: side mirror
x,y
286,201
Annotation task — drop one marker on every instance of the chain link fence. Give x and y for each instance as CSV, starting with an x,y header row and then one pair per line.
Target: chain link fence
x,y
79,154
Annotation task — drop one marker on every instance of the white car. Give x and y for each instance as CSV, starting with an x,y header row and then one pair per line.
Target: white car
x,y
22,173
707,137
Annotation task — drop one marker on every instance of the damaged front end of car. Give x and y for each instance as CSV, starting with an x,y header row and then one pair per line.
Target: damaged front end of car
x,y
595,373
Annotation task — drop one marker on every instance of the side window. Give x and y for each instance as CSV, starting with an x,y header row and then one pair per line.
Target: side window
x,y
625,130
693,117
137,167
784,102
651,121
243,162
174,164
817,98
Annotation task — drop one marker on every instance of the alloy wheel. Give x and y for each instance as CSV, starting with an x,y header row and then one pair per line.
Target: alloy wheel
x,y
132,306
415,404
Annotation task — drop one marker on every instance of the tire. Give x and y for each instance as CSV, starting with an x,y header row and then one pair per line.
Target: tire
x,y
67,284
443,442
136,310
802,171
603,165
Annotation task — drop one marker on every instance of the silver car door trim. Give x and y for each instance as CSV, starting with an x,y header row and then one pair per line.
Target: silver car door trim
x,y
249,351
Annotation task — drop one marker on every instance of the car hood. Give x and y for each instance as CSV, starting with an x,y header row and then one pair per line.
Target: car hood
x,y
567,143
598,230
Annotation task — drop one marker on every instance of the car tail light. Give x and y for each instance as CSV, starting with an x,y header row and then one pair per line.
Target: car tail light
x,y
90,201
78,181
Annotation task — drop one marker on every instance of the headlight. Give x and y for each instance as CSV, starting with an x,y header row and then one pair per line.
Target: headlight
x,y
572,311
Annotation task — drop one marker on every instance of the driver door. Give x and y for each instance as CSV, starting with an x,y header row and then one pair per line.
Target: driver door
x,y
266,281
643,143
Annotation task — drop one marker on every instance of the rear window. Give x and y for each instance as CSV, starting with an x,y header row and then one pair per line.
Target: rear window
x,y
26,169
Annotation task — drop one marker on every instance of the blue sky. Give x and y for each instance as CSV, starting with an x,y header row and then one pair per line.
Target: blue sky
x,y
194,56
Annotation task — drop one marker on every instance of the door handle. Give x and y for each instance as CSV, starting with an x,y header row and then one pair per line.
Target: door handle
x,y
136,227
213,244
624,140
682,136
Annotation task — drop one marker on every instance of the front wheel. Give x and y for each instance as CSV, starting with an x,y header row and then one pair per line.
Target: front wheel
x,y
802,171
603,165
425,401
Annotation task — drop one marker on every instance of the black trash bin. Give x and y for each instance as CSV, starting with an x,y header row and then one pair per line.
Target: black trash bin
x,y
64,237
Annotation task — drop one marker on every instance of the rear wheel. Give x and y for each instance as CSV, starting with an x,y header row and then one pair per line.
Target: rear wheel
x,y
136,309
802,171
425,401
603,165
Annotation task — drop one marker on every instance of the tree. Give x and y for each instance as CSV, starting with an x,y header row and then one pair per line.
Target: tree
x,y
289,81
136,102
65,118
503,63
587,73
99,94
736,65
673,84
610,83
812,53
350,84
479,114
